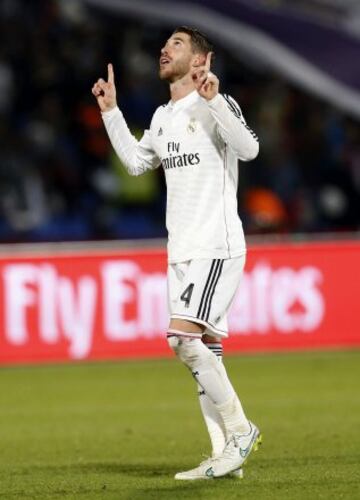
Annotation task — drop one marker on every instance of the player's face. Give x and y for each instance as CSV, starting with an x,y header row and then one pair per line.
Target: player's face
x,y
176,57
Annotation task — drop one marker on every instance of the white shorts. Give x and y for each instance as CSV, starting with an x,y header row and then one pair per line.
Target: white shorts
x,y
202,291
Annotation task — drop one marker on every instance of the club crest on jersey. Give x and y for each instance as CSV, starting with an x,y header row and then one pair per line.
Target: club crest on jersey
x,y
192,126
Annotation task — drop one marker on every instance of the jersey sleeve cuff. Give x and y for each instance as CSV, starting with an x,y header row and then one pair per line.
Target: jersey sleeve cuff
x,y
109,114
215,101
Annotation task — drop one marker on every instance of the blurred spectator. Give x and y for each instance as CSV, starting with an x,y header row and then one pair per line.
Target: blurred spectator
x,y
265,211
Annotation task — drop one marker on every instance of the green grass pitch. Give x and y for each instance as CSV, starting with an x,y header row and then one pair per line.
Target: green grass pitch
x,y
121,430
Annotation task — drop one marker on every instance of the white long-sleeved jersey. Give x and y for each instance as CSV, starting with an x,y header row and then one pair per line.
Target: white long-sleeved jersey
x,y
198,143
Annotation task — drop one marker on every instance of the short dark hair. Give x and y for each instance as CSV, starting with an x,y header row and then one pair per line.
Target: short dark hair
x,y
199,42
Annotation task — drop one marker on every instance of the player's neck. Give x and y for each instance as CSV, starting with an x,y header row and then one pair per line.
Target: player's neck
x,y
181,88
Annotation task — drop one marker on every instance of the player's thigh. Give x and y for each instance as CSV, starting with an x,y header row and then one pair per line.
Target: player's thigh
x,y
208,338
182,325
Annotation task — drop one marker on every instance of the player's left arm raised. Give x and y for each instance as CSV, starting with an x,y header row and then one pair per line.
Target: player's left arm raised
x,y
231,124
206,83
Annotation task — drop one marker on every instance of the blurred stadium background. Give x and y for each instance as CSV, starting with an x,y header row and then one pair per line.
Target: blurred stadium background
x,y
61,181
82,254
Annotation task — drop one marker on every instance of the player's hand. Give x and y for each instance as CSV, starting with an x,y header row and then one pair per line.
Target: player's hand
x,y
206,83
105,92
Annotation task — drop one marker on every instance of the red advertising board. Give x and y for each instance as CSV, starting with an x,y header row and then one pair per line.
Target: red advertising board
x,y
83,305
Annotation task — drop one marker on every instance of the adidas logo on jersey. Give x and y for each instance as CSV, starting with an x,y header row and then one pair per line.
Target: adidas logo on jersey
x,y
160,131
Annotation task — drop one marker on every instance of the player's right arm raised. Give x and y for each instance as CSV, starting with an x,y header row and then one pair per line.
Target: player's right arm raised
x,y
105,92
137,156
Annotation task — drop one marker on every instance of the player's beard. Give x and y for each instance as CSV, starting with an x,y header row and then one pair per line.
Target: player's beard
x,y
174,71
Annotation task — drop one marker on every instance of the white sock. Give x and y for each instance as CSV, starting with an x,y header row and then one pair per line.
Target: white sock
x,y
212,417
206,369
233,416
213,422
231,412
212,377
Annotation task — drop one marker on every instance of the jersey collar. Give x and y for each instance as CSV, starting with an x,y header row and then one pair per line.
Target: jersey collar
x,y
184,102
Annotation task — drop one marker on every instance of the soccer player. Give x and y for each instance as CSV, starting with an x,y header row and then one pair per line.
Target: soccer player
x,y
197,138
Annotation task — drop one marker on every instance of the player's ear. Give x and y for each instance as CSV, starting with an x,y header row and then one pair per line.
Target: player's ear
x,y
197,60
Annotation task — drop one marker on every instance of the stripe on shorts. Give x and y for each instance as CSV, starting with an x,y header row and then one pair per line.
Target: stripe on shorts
x,y
207,284
211,282
213,290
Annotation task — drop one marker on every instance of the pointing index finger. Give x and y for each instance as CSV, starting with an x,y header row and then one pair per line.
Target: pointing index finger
x,y
110,73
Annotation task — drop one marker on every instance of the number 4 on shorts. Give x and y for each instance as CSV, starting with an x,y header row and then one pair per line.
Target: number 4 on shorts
x,y
186,295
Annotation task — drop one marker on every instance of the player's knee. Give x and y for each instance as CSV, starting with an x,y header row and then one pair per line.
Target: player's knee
x,y
211,339
173,342
187,350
